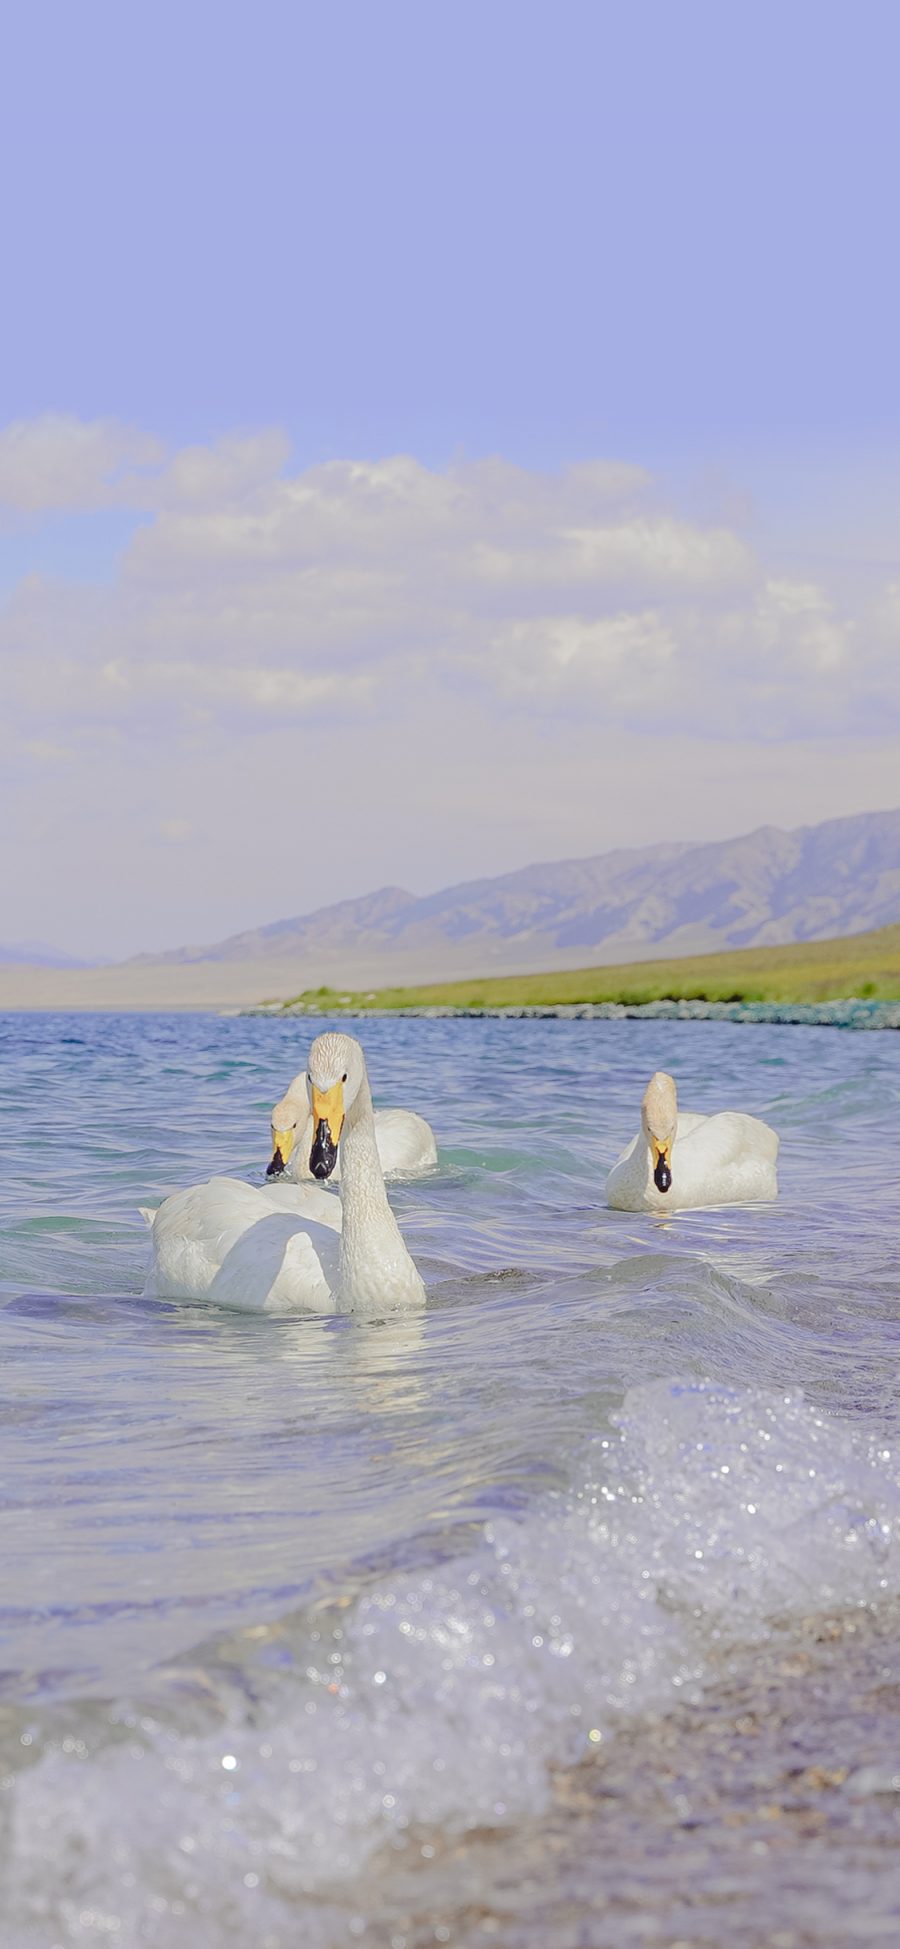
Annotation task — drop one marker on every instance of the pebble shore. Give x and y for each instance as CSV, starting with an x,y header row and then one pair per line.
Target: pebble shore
x,y
851,1013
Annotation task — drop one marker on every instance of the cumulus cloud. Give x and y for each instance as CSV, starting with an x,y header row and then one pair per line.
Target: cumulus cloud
x,y
642,555
60,462
798,618
231,470
201,692
621,655
310,595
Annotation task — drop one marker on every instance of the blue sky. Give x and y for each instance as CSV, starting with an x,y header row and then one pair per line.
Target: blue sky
x,y
655,236
654,229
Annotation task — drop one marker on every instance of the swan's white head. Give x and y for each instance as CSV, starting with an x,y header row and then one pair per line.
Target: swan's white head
x,y
288,1119
336,1073
659,1122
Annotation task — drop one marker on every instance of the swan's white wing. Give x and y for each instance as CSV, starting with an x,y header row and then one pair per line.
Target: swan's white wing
x,y
730,1137
193,1230
280,1265
758,1136
230,1241
728,1158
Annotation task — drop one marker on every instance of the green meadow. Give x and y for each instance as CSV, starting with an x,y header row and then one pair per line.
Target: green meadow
x,y
863,965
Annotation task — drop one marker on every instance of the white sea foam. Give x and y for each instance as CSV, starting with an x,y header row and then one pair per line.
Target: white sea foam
x,y
445,1697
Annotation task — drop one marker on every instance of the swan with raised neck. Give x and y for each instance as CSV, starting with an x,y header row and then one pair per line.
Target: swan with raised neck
x,y
375,1266
289,1246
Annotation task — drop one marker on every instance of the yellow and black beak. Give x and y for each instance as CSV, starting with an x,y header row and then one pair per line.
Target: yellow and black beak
x,y
662,1164
328,1122
282,1146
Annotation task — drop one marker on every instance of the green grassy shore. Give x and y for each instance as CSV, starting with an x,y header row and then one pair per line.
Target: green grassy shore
x,y
866,966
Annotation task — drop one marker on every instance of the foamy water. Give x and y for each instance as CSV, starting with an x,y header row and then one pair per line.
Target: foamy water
x,y
291,1607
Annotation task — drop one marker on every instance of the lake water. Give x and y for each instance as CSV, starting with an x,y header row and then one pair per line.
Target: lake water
x,y
561,1615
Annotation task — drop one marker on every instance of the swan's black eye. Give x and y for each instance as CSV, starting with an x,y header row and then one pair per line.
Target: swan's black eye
x,y
344,1077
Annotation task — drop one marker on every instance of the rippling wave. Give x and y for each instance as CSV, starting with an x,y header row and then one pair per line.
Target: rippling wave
x,y
289,1604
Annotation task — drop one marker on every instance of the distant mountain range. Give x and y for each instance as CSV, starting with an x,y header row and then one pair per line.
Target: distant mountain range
x,y
37,954
767,888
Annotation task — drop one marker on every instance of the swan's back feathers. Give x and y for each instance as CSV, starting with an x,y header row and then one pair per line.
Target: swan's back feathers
x,y
731,1136
405,1142
306,1201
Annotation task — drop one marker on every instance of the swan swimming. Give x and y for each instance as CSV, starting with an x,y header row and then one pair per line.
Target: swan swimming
x,y
290,1246
405,1142
680,1160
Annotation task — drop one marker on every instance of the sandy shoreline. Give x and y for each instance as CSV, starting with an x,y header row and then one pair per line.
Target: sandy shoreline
x,y
154,987
763,1813
150,986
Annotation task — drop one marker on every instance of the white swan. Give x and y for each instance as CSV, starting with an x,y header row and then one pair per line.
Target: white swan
x,y
292,1246
406,1145
679,1160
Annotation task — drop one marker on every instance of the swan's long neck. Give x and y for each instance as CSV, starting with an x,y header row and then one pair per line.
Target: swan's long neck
x,y
375,1265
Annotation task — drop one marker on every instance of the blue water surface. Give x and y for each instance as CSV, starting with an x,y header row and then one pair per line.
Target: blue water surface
x,y
178,1479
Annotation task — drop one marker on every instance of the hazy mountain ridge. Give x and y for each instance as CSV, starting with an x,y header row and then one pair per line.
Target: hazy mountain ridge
x,y
38,954
764,888
340,926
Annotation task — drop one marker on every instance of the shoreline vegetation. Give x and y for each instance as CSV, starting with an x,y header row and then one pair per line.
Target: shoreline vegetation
x,y
802,981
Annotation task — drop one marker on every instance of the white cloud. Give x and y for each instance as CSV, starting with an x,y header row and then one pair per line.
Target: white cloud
x,y
60,462
199,690
613,559
615,656
230,471
661,554
798,618
387,587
